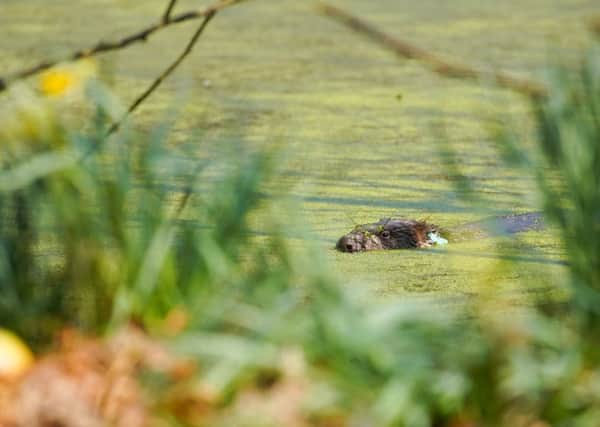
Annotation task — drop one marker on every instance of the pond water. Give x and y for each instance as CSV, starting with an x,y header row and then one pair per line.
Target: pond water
x,y
362,129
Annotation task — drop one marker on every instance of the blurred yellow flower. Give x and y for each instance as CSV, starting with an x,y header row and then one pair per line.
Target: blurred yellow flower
x,y
15,356
57,82
66,78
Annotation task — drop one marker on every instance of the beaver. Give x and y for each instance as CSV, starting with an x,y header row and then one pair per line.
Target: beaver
x,y
391,233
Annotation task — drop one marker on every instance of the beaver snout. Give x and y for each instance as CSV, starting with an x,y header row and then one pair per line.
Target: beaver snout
x,y
358,241
348,244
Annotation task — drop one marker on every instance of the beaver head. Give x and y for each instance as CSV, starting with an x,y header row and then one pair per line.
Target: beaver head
x,y
389,233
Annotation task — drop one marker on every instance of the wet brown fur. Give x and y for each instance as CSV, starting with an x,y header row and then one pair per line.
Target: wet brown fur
x,y
387,233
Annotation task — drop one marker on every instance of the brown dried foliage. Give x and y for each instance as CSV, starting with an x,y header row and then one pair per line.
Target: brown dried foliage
x,y
89,382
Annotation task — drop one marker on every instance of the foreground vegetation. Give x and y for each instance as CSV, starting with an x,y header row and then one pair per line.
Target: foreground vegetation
x,y
144,249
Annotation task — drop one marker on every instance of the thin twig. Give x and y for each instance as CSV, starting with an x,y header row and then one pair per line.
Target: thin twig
x,y
181,205
101,47
167,15
165,73
437,64
187,193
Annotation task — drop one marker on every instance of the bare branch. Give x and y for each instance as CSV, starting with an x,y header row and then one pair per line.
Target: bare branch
x,y
165,73
101,47
437,64
167,15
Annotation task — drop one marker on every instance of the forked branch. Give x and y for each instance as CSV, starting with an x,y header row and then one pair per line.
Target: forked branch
x,y
165,73
136,37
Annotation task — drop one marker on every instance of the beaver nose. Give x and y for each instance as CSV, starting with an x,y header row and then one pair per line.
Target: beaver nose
x,y
345,244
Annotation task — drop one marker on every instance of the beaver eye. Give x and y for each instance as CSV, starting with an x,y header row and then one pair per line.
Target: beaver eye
x,y
385,234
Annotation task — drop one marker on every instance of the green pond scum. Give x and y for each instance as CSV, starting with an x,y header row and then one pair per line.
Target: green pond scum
x,y
360,128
